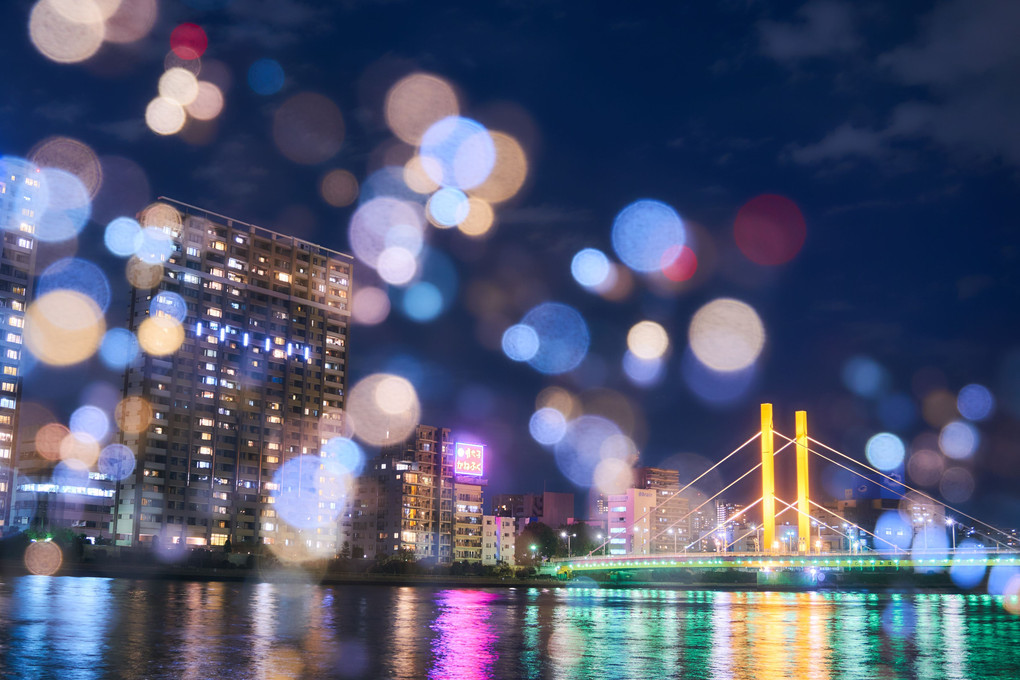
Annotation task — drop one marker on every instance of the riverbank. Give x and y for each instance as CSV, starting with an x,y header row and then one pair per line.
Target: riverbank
x,y
322,575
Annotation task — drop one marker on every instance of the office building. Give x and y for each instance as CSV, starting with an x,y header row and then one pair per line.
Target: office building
x,y
670,526
20,184
259,380
630,522
550,508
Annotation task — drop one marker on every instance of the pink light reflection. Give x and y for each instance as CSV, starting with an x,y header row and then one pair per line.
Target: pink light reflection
x,y
464,643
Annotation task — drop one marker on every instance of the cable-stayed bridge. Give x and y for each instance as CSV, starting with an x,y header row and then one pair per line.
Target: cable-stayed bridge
x,y
773,554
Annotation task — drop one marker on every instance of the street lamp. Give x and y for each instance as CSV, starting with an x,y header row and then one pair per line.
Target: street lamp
x,y
670,530
533,549
599,537
952,530
567,536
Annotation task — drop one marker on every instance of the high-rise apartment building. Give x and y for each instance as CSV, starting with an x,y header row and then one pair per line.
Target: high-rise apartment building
x,y
404,501
670,526
20,184
259,380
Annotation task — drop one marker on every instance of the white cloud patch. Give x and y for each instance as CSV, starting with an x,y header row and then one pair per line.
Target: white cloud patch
x,y
843,142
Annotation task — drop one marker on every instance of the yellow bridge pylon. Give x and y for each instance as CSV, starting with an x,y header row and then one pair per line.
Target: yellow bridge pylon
x,y
768,482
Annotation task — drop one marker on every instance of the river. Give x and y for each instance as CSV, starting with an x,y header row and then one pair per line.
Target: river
x,y
83,628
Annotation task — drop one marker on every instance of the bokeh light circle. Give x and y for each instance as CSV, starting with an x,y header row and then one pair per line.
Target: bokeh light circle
x,y
91,420
169,304
587,441
266,76
142,274
133,415
647,340
66,37
397,265
117,461
958,440
457,152
508,173
73,156
165,116
479,220
520,342
383,409
188,41
372,223
726,335
679,263
644,231
160,336
43,558
416,102
156,247
310,492
345,452
422,302
80,276
448,207
957,485
118,348
339,188
67,208
885,451
770,230
590,267
975,402
864,376
370,306
63,327
547,426
308,128
179,85
563,337
123,236
208,103
968,566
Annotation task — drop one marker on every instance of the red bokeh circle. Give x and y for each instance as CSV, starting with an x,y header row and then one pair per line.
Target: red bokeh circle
x,y
188,41
679,263
770,229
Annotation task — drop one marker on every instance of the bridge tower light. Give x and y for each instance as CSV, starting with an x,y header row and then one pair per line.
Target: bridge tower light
x,y
803,504
768,477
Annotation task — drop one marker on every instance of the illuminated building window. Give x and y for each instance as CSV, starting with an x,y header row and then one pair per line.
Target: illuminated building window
x,y
283,276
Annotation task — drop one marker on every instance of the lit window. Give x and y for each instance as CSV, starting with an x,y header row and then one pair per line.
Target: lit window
x,y
283,276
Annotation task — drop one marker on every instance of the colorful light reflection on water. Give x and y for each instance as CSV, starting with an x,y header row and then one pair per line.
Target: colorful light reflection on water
x,y
85,628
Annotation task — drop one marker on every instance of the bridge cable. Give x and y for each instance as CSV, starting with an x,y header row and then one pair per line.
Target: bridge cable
x,y
894,480
685,487
707,500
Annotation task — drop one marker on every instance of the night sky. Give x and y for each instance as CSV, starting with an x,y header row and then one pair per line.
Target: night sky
x,y
892,128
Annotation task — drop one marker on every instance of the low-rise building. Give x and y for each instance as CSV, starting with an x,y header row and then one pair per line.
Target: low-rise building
x,y
498,540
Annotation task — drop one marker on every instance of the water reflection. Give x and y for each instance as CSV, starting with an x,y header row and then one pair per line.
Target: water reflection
x,y
98,628
463,647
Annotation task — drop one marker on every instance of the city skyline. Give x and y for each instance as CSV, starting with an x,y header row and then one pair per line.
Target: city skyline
x,y
869,325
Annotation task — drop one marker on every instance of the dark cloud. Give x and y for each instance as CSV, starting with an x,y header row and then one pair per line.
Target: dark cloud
x,y
965,61
822,28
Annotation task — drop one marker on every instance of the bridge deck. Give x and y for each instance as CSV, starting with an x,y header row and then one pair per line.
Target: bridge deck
x,y
760,561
